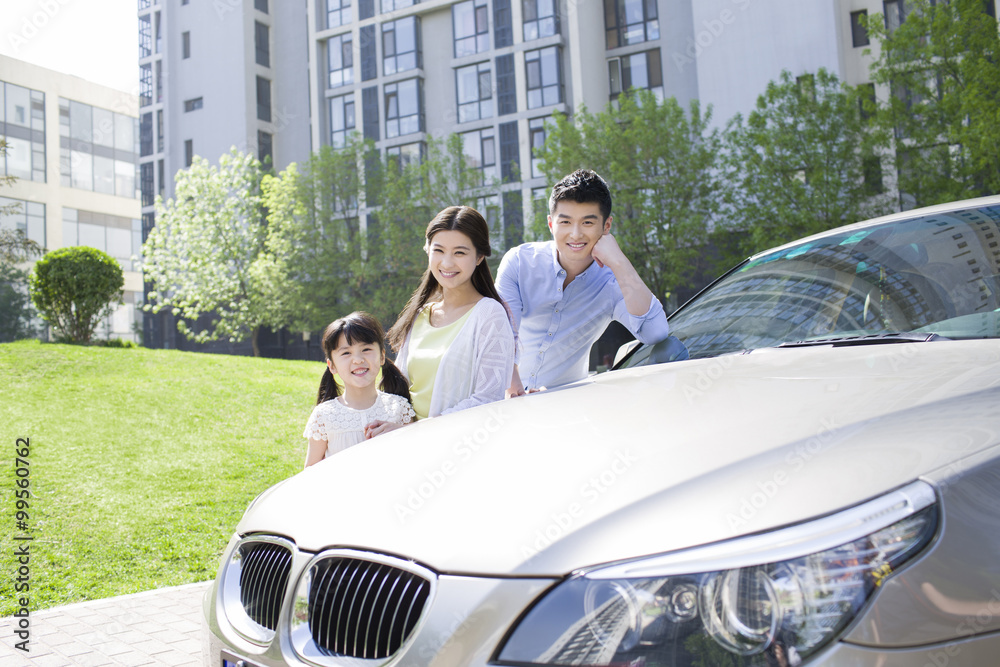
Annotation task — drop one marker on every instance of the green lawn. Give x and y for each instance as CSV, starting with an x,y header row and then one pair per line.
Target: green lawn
x,y
141,462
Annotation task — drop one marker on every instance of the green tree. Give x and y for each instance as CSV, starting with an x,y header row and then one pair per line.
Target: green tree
x,y
941,67
661,163
805,160
75,288
207,254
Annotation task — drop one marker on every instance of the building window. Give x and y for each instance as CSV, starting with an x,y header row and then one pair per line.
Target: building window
x,y
145,36
475,92
400,45
265,148
540,19
369,113
159,33
536,137
159,81
543,73
188,152
503,31
161,179
185,44
389,6
341,119
489,207
338,13
29,218
263,99
403,108
859,35
23,111
159,131
369,55
506,85
145,85
260,5
510,152
872,172
340,58
99,148
480,152
146,183
895,14
262,43
630,22
118,236
639,70
192,104
406,154
471,25
146,134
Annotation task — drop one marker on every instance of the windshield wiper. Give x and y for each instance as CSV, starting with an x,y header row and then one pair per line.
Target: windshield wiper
x,y
868,339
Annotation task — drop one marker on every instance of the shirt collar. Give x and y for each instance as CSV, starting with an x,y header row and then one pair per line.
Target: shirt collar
x,y
558,269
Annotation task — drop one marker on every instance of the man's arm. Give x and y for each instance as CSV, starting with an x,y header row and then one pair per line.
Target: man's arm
x,y
637,296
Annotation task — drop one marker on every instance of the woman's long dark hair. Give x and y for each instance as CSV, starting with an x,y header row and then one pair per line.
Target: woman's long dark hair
x,y
470,222
359,327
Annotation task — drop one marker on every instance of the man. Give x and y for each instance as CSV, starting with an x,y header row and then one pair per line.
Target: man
x,y
563,293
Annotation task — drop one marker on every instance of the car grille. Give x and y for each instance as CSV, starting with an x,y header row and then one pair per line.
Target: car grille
x,y
363,609
263,579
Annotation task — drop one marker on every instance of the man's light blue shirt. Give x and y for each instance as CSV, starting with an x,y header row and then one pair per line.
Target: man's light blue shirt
x,y
555,327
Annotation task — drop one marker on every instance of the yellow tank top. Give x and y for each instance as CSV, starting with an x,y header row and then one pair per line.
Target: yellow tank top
x,y
426,347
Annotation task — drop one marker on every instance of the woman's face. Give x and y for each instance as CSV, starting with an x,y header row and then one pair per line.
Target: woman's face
x,y
452,258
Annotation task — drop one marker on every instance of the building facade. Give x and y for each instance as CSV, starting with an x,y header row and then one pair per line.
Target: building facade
x,y
73,147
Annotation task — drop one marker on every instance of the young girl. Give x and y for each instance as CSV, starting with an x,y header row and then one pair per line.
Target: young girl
x,y
454,337
354,347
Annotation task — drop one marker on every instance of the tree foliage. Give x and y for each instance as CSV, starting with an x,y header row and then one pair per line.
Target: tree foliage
x,y
75,288
346,228
661,163
941,68
207,254
805,160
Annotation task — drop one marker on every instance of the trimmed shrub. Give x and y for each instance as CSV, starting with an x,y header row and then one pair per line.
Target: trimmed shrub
x,y
75,288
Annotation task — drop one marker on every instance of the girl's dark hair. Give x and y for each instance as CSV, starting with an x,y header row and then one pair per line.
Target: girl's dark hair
x,y
470,222
359,327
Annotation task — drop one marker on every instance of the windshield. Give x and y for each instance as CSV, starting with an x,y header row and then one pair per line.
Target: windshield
x,y
933,274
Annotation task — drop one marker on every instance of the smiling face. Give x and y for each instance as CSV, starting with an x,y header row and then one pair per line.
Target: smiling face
x,y
357,364
576,227
452,258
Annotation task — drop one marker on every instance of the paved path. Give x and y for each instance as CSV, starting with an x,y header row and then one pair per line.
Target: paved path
x,y
159,627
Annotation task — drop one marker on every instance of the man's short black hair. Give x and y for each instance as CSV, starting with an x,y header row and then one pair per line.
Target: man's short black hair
x,y
582,186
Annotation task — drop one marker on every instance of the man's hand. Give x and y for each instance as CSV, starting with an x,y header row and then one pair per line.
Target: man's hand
x,y
606,252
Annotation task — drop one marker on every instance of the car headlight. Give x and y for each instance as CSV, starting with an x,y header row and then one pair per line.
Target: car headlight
x,y
767,599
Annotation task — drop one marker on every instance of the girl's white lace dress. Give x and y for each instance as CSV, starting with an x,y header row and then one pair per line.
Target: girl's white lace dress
x,y
344,427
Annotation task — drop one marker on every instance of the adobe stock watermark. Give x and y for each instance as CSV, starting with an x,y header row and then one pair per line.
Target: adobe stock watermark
x,y
795,461
462,452
34,22
707,33
562,523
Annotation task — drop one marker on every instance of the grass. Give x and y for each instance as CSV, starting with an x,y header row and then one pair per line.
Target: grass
x,y
141,461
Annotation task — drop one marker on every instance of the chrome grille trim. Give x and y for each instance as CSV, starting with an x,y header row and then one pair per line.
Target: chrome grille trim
x,y
263,579
359,606
253,585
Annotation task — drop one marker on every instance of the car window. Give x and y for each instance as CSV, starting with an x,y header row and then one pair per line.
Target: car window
x,y
932,274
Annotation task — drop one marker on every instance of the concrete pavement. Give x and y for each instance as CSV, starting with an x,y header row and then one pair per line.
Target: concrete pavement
x,y
160,627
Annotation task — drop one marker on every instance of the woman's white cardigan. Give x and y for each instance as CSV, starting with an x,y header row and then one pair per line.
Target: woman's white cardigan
x,y
477,367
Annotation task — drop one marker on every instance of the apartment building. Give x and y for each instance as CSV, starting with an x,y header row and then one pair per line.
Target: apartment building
x,y
73,147
216,75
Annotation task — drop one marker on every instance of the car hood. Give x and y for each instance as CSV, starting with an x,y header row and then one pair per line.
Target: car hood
x,y
647,460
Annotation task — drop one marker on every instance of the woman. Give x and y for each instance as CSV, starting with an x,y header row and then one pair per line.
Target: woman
x,y
454,339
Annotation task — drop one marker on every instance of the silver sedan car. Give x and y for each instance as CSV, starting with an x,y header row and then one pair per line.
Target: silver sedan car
x,y
806,473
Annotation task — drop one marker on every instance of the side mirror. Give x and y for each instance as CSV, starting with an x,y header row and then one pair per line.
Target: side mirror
x,y
624,350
